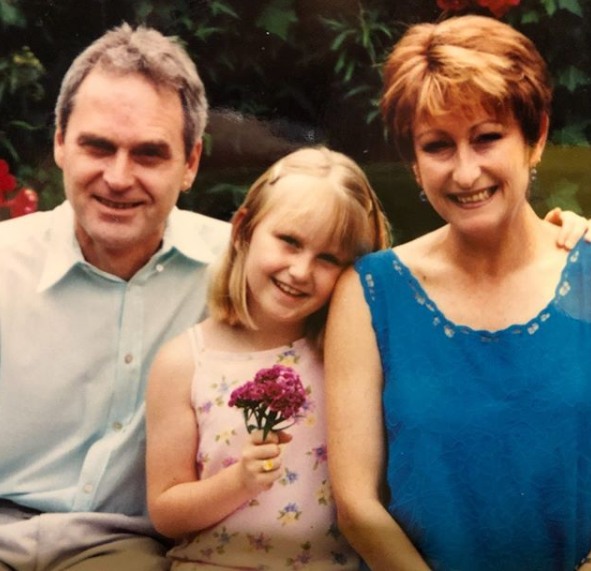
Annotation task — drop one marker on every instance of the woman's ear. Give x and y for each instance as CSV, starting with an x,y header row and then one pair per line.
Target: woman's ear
x,y
536,154
238,221
415,170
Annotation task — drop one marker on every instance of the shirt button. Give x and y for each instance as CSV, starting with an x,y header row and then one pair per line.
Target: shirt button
x,y
159,268
88,488
117,426
128,358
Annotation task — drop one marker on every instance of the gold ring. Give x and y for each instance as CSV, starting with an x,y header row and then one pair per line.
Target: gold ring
x,y
268,465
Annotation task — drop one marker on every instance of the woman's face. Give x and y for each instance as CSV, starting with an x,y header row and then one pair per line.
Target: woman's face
x,y
474,170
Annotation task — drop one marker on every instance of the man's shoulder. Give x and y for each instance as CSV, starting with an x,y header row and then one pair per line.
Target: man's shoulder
x,y
22,229
210,231
201,222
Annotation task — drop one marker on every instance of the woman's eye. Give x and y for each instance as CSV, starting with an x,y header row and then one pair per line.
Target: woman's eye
x,y
488,137
434,147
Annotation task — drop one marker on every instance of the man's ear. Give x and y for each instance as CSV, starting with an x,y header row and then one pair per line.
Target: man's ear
x,y
58,147
238,221
192,165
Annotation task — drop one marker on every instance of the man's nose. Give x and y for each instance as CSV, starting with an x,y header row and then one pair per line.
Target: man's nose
x,y
118,172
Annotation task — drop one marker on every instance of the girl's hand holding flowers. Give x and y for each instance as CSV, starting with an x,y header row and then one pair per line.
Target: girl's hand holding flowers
x,y
261,460
272,399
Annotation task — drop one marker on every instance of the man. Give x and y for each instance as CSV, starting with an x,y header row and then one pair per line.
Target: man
x,y
88,292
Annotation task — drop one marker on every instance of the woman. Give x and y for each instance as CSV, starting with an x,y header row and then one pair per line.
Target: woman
x,y
457,364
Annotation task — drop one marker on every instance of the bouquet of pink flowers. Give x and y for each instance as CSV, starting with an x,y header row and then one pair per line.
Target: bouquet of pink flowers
x,y
271,399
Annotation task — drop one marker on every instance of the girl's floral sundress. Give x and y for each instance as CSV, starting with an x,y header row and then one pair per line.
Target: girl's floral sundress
x,y
292,526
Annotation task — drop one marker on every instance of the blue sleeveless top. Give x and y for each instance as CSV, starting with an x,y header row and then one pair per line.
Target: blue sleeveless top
x,y
489,434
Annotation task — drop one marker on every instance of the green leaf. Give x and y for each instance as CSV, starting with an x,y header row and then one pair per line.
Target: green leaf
x,y
572,77
10,15
572,6
565,197
550,6
336,44
217,7
340,62
9,147
277,18
24,125
530,17
572,134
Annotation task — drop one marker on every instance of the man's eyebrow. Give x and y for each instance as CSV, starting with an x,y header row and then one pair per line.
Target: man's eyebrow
x,y
154,148
95,141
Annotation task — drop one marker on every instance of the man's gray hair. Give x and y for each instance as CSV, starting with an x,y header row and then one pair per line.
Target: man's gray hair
x,y
160,59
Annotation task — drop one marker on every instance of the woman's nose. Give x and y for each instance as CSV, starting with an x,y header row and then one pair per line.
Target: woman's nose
x,y
466,168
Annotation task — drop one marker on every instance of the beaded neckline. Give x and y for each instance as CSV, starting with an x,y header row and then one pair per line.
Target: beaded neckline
x,y
450,329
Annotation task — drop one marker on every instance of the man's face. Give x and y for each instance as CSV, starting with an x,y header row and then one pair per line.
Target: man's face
x,y
124,164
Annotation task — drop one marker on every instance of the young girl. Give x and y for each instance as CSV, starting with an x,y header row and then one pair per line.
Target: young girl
x,y
236,501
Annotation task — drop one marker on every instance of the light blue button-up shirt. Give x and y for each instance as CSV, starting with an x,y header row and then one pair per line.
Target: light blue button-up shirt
x,y
76,345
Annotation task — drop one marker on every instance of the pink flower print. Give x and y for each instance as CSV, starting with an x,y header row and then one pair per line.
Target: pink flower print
x,y
288,478
324,494
207,553
222,389
319,454
334,531
301,559
202,459
205,407
226,462
225,436
224,538
288,358
259,542
289,514
339,558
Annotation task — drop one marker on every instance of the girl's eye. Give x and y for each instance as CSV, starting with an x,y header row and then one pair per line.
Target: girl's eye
x,y
289,240
330,259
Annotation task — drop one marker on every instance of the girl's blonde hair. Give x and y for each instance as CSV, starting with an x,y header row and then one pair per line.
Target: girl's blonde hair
x,y
461,64
359,226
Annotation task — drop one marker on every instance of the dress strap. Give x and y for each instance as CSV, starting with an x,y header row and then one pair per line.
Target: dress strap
x,y
195,334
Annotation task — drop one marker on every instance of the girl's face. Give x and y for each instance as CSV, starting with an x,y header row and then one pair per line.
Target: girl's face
x,y
293,262
474,170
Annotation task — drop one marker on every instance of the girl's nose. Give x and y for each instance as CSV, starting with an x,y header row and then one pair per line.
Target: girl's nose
x,y
466,168
301,267
117,173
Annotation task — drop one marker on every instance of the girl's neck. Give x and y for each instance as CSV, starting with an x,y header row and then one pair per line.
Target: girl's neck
x,y
220,336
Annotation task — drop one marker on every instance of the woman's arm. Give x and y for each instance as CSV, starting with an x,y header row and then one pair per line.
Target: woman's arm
x,y
356,439
178,502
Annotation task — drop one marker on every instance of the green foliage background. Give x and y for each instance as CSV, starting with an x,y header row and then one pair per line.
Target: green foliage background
x,y
280,74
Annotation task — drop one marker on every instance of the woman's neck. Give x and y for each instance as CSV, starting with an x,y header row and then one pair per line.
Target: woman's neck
x,y
500,251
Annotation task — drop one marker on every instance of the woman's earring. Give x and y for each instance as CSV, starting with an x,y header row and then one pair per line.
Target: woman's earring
x,y
422,196
533,175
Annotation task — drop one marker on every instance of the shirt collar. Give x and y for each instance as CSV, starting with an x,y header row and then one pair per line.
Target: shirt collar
x,y
181,234
63,251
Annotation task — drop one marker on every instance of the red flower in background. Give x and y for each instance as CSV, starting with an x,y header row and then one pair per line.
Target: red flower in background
x,y
453,5
497,7
7,181
25,200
